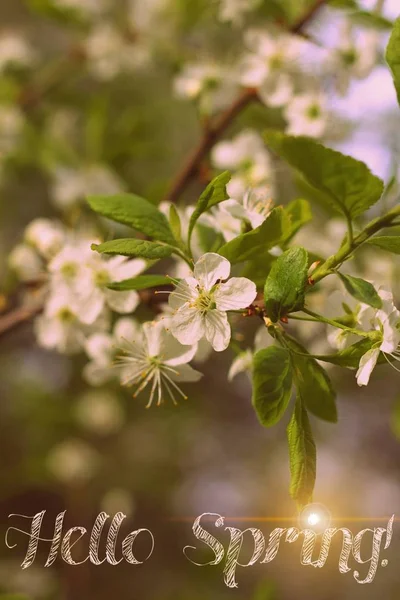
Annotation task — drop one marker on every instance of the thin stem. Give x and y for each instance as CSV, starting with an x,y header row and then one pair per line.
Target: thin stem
x,y
336,324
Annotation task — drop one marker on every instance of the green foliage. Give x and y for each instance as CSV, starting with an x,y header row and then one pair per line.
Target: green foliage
x,y
393,56
136,212
141,282
361,290
313,383
390,243
175,224
285,285
250,245
350,357
272,384
395,419
369,19
214,193
135,247
298,213
302,455
347,184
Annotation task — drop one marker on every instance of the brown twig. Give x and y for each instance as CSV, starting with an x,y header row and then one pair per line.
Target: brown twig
x,y
215,129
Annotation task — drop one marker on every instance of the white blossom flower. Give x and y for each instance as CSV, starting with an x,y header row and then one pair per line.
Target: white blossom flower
x,y
355,57
307,114
12,122
25,262
60,328
243,362
254,207
212,85
222,221
386,321
102,348
201,302
247,157
46,236
110,53
157,359
70,185
15,51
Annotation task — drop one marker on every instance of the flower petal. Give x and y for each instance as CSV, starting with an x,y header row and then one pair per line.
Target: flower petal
x,y
185,292
185,373
210,268
237,293
127,269
99,348
241,364
187,325
122,302
218,330
367,365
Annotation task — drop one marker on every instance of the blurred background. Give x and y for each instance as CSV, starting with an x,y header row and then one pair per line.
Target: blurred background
x,y
65,445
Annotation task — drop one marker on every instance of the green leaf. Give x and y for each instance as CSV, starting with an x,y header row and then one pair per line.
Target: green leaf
x,y
361,290
272,384
135,247
136,212
313,383
391,243
214,193
141,282
393,56
350,357
348,184
249,245
175,223
369,19
302,454
343,3
298,213
285,285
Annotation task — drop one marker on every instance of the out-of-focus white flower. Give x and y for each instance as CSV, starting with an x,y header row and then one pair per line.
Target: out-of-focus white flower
x,y
12,122
60,328
355,57
143,16
247,156
99,412
307,114
70,185
243,363
110,53
269,66
386,321
254,207
157,359
25,262
222,221
212,85
102,349
118,500
15,51
234,10
46,236
73,461
201,302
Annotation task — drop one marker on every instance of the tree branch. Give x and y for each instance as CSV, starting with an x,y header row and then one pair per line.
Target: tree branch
x,y
216,129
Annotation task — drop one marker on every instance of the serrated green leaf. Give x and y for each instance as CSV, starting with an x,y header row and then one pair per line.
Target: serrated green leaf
x,y
369,19
285,285
175,223
302,455
136,212
298,213
272,384
313,383
249,245
361,290
393,56
135,247
214,193
348,184
141,282
390,243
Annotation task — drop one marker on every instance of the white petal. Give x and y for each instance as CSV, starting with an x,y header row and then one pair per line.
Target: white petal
x,y
185,373
210,268
241,364
187,325
153,333
97,374
367,365
186,291
235,294
88,308
122,302
128,269
127,329
218,330
99,347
